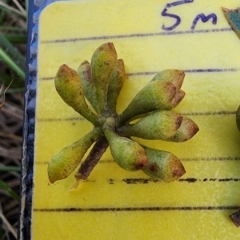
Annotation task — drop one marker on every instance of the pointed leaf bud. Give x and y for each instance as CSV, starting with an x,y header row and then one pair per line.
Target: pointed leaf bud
x,y
127,153
177,98
103,62
69,87
84,72
157,125
64,162
156,95
116,81
187,130
176,77
163,165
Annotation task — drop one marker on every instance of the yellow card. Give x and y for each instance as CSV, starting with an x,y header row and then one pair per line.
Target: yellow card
x,y
150,35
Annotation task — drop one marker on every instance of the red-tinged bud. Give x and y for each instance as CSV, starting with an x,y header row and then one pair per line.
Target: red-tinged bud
x,y
127,153
69,87
156,95
176,77
163,165
103,62
156,125
85,74
64,162
177,98
187,130
116,81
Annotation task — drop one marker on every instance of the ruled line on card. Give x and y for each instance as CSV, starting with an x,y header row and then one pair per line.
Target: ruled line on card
x,y
210,113
145,181
67,119
197,70
224,158
181,180
236,158
136,35
137,209
77,119
194,70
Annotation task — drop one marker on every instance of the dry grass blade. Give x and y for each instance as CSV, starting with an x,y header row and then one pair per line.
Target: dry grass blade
x,y
12,9
2,94
8,225
19,6
10,157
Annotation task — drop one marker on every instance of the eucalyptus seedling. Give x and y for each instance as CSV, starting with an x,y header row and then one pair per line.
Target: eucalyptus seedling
x,y
100,82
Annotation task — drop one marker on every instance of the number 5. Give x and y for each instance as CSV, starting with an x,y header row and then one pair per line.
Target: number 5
x,y
164,13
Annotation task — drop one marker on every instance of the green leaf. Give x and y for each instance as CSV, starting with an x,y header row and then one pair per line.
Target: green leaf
x,y
16,39
233,18
7,189
11,63
8,49
4,168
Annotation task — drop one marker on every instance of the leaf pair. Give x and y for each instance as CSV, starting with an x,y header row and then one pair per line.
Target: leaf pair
x,y
161,93
103,78
162,125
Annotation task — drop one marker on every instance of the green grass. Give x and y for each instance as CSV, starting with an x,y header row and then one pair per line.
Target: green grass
x,y
13,39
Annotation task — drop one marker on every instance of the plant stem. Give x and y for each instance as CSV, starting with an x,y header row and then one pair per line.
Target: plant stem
x,y
92,159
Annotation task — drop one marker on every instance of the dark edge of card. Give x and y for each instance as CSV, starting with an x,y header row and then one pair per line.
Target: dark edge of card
x,y
27,167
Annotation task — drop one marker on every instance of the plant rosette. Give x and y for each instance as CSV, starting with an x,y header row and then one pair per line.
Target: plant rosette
x,y
100,82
